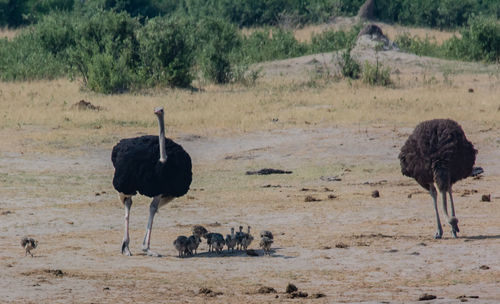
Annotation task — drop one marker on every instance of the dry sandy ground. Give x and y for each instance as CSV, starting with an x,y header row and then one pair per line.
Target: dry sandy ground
x,y
70,207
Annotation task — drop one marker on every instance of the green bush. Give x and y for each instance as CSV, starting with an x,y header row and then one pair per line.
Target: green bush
x,y
25,59
333,40
166,52
480,41
216,40
271,44
376,74
348,66
106,51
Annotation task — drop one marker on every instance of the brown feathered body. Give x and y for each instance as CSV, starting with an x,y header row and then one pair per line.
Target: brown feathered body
x,y
437,152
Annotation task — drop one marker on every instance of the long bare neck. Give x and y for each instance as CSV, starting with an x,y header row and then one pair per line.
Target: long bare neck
x,y
163,152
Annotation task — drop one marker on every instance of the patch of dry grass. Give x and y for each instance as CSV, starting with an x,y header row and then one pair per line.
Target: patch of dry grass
x,y
40,115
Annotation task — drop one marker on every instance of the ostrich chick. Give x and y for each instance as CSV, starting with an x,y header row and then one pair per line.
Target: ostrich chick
x,y
265,244
200,231
218,242
28,245
192,244
239,238
181,245
231,240
247,239
266,233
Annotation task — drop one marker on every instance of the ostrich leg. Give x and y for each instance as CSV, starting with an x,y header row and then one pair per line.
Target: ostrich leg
x,y
127,202
439,232
453,220
158,201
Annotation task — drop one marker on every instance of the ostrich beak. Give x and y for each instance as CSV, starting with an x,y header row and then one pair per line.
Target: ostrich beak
x,y
159,110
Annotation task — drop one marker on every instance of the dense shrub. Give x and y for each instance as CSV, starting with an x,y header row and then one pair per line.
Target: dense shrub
x,y
24,59
216,40
106,51
271,44
332,40
442,13
480,41
166,53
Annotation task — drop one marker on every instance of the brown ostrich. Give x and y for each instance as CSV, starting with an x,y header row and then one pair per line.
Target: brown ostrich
x,y
437,154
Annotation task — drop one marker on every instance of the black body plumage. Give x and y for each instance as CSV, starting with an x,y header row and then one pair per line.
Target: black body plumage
x,y
437,151
138,167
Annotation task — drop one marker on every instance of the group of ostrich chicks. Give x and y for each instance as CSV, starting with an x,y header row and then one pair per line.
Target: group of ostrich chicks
x,y
187,246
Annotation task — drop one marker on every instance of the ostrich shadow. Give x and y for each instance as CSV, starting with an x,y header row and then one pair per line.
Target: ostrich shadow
x,y
481,237
238,253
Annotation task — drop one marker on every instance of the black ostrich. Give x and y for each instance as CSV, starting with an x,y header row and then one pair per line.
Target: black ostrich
x,y
153,166
437,154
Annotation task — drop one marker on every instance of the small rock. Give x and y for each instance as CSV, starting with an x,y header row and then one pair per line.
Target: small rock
x,y
318,295
415,253
471,90
204,290
486,198
484,267
375,193
326,247
265,289
291,288
426,297
105,288
332,196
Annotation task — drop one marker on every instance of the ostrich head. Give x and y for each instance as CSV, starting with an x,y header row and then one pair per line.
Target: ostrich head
x,y
163,154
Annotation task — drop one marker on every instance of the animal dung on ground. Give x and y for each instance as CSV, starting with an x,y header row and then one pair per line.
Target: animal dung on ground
x,y
311,198
471,90
426,297
85,105
267,171
484,267
318,295
265,289
375,193
291,288
486,198
56,272
341,245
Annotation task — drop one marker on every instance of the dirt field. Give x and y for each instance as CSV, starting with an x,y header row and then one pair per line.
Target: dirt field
x,y
339,245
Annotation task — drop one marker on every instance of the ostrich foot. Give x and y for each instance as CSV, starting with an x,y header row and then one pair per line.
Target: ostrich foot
x,y
454,227
125,249
439,234
151,253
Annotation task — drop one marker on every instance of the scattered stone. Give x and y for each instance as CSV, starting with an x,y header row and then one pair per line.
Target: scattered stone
x,y
97,194
375,193
311,198
291,288
265,289
422,244
105,288
330,178
205,290
426,297
85,105
267,171
271,186
56,272
318,295
484,267
252,252
392,251
326,247
486,198
415,253
341,245
471,90
6,212
332,196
